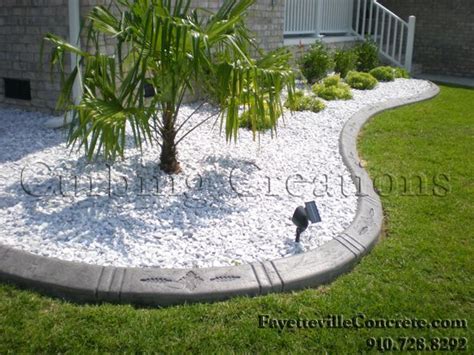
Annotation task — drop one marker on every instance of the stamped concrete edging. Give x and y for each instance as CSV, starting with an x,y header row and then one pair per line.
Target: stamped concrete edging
x,y
81,282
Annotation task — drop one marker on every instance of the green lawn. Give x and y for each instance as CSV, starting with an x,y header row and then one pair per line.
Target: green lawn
x,y
423,267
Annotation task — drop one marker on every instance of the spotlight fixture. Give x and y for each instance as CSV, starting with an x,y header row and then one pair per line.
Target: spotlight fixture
x,y
303,215
149,90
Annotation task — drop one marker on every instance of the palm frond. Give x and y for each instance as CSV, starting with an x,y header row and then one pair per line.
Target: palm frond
x,y
176,49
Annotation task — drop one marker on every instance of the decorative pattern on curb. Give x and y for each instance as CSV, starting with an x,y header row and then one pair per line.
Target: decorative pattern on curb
x,y
153,286
190,281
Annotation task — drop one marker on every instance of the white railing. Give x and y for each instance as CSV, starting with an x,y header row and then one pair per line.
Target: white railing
x,y
394,36
300,17
313,17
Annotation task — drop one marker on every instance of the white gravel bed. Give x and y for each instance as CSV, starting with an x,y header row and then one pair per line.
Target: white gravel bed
x,y
232,204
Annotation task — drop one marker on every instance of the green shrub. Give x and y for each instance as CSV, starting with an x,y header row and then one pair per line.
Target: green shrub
x,y
262,123
383,73
401,73
332,80
293,104
302,102
361,81
341,92
344,61
332,88
367,56
315,63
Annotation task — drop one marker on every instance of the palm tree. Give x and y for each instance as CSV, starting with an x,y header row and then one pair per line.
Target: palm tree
x,y
176,50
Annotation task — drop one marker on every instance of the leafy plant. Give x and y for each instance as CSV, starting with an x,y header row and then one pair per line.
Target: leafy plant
x,y
316,63
332,88
332,80
367,55
344,61
302,102
361,81
401,73
176,50
261,123
383,73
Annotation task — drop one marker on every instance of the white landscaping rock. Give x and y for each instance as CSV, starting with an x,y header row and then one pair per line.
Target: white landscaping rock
x,y
219,211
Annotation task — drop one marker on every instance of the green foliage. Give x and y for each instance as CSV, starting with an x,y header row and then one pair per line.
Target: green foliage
x,y
332,88
316,62
367,55
177,50
361,81
259,123
302,102
387,73
401,73
340,92
345,61
332,80
383,73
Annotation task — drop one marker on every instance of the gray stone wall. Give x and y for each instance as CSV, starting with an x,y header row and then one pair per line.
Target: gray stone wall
x,y
444,38
265,19
23,23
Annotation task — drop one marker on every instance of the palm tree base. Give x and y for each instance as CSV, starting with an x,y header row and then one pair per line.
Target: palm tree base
x,y
171,167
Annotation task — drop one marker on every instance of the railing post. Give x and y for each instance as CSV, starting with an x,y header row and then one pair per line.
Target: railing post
x,y
319,17
410,43
364,17
358,19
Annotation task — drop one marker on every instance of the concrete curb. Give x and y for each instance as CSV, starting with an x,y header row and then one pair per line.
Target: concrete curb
x,y
80,282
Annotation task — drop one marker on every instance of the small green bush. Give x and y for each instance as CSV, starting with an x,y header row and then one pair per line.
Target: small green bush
x,y
302,102
332,80
332,88
361,81
344,61
262,124
401,73
315,63
383,73
293,104
367,56
341,92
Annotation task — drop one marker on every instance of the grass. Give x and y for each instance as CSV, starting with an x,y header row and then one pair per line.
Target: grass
x,y
421,269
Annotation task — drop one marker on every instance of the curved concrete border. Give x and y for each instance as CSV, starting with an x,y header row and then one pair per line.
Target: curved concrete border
x,y
154,286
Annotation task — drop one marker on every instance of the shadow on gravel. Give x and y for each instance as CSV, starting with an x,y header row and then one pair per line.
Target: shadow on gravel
x,y
41,205
22,133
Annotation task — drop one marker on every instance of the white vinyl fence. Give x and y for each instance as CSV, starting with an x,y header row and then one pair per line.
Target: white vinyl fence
x,y
318,16
393,35
363,18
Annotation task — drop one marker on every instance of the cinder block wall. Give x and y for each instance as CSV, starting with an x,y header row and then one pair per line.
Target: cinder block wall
x,y
23,24
444,39
265,19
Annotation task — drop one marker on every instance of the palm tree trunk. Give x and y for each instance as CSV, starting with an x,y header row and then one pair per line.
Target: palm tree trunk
x,y
169,157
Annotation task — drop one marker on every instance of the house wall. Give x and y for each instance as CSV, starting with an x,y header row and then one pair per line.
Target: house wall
x,y
265,19
444,38
23,23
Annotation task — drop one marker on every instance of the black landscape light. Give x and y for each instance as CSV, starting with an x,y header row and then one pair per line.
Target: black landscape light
x,y
149,90
303,215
